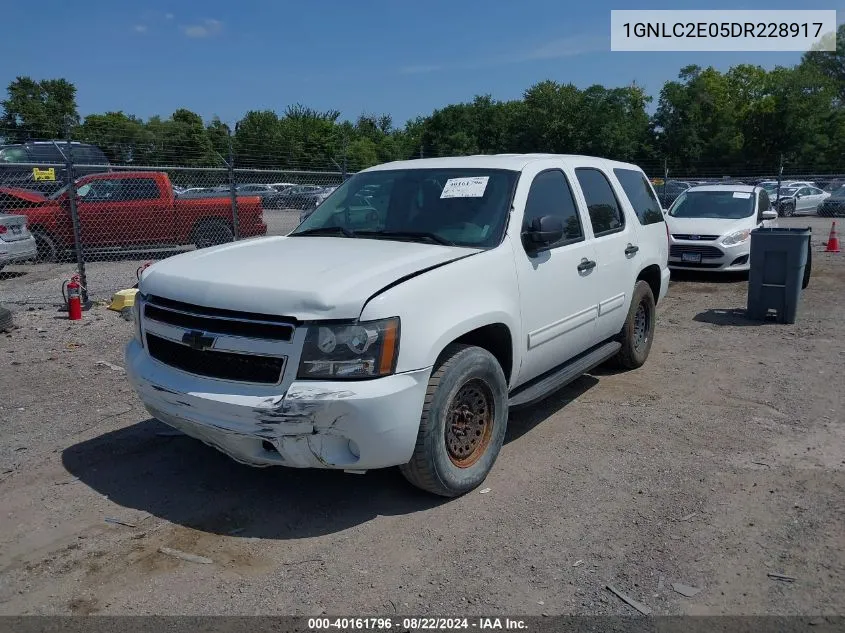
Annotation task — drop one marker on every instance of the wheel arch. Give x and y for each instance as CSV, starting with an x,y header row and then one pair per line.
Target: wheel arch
x,y
651,275
496,338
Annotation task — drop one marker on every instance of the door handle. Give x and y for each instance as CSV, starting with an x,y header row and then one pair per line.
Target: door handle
x,y
586,265
631,250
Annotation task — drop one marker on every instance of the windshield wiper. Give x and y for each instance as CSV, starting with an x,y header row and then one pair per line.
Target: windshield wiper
x,y
326,230
409,235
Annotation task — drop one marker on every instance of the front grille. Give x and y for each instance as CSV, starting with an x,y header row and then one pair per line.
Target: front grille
x,y
677,250
218,321
214,364
696,238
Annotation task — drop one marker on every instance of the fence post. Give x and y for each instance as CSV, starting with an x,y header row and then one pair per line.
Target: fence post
x,y
665,177
77,229
780,175
233,192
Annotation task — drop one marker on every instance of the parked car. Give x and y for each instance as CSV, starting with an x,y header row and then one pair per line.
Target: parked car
x,y
667,192
121,209
282,186
262,191
710,226
799,200
16,242
16,164
296,197
834,205
484,283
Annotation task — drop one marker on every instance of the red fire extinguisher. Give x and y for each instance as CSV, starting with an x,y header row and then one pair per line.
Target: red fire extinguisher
x,y
71,291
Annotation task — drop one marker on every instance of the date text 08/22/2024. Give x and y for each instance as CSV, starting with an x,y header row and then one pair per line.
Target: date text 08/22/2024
x,y
416,624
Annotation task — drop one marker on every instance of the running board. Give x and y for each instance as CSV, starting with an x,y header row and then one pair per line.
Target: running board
x,y
561,377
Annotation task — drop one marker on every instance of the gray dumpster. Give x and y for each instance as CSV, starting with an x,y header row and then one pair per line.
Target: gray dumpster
x,y
780,270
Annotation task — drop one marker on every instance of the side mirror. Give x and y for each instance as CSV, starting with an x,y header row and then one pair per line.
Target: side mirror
x,y
542,232
769,215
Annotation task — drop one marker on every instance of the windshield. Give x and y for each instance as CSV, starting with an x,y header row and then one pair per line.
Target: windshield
x,y
723,205
464,207
13,155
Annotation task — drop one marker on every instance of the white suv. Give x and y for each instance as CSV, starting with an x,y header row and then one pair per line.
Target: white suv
x,y
401,331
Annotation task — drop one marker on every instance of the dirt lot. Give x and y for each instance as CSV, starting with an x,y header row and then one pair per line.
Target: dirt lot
x,y
717,463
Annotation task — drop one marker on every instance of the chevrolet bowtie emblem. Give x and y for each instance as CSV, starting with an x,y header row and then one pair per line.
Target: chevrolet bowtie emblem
x,y
198,340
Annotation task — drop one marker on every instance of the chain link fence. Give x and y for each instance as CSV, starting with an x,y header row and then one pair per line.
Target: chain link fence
x,y
103,218
104,221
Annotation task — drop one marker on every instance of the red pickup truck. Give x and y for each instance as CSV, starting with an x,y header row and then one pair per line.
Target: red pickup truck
x,y
130,209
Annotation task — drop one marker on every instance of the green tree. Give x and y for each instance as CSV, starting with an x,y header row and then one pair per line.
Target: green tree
x,y
38,109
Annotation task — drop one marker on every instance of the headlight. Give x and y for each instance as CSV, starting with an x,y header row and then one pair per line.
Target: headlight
x,y
736,238
366,349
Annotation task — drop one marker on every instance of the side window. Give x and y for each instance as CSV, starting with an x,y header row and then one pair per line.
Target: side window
x,y
45,153
138,189
550,194
805,191
605,214
640,195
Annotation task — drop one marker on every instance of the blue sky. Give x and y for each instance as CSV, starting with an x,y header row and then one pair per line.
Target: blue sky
x,y
224,58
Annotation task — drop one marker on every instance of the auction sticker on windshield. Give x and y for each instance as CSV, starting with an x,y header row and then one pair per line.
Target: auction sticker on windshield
x,y
465,187
742,194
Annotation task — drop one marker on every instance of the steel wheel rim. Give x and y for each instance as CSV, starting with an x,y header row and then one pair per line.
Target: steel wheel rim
x,y
641,325
469,423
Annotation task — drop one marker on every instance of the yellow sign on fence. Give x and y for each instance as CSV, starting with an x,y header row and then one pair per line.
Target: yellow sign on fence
x,y
44,174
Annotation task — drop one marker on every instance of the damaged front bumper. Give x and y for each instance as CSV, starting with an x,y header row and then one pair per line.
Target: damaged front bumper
x,y
358,425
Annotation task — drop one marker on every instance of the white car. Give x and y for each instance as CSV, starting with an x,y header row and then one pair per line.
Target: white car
x,y
406,332
17,244
710,226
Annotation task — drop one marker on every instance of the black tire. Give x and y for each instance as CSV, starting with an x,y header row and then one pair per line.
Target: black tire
x,y
6,321
637,334
808,267
790,210
212,233
463,376
46,245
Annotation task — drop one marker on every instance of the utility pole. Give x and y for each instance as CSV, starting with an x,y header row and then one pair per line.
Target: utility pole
x,y
233,192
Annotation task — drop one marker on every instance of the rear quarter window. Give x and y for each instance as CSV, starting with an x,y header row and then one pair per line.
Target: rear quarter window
x,y
640,195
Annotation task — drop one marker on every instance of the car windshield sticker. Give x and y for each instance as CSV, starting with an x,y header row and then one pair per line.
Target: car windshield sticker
x,y
465,187
741,194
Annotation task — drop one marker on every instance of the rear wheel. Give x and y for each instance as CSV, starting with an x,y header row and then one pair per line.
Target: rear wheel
x,y
46,245
638,332
212,233
463,423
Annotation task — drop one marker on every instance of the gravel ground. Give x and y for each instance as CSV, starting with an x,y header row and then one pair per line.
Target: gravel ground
x,y
30,284
717,463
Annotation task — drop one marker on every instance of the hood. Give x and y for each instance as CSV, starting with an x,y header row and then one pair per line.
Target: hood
x,y
24,194
308,278
708,226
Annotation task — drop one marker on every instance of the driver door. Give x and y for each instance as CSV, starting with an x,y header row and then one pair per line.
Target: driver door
x,y
558,283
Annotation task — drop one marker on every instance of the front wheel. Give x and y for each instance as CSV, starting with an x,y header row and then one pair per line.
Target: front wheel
x,y
46,245
638,332
463,423
212,234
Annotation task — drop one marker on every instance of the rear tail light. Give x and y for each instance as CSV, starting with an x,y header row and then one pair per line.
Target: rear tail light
x,y
3,229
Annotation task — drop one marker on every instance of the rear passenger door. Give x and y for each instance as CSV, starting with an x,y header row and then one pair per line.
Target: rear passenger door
x,y
558,291
617,250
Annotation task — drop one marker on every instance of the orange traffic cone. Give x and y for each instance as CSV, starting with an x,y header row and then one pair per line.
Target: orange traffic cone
x,y
832,241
